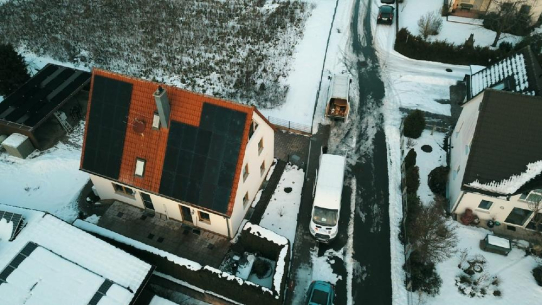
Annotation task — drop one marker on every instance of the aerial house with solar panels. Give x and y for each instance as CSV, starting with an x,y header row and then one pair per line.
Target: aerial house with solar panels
x,y
51,103
193,158
46,261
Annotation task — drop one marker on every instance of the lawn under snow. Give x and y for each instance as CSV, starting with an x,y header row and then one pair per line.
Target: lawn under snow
x,y
281,213
515,280
452,31
427,161
48,181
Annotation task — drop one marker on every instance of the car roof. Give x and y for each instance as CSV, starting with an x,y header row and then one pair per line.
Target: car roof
x,y
321,285
386,8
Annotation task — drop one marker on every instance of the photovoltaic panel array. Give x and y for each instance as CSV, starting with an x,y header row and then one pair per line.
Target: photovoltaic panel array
x,y
200,162
15,219
106,128
37,99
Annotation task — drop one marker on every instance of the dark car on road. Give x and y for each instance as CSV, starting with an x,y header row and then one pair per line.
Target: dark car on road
x,y
320,293
385,14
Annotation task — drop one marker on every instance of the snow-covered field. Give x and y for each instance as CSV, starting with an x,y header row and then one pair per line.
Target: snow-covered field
x,y
281,213
456,32
48,181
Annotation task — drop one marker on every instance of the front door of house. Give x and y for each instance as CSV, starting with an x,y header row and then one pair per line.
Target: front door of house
x,y
147,201
185,211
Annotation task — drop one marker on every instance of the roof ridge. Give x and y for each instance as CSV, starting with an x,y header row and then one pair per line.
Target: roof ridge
x,y
150,82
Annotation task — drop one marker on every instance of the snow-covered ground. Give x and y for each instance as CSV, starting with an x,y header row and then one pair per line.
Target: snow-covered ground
x,y
48,181
281,213
515,280
456,31
427,161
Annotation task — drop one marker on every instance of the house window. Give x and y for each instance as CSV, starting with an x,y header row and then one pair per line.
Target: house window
x,y
535,196
140,167
525,9
245,172
123,190
262,168
518,216
260,146
535,222
485,205
467,149
252,129
245,200
156,121
204,217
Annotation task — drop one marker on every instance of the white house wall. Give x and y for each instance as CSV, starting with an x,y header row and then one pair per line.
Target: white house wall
x,y
170,208
460,141
254,160
499,211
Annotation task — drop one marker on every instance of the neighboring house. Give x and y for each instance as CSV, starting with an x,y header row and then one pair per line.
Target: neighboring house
x,y
496,161
194,158
46,261
519,72
46,106
477,8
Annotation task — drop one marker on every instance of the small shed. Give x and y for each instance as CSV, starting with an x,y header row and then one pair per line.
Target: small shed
x,y
39,109
18,145
495,244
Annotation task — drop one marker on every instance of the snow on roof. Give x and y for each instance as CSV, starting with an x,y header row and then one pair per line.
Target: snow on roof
x,y
6,229
498,241
89,227
329,185
67,266
512,184
14,140
156,300
513,66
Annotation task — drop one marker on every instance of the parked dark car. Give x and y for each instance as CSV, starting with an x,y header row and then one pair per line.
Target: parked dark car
x,y
320,293
385,14
388,1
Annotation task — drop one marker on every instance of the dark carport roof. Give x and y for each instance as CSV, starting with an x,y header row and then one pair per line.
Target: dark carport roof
x,y
507,137
42,95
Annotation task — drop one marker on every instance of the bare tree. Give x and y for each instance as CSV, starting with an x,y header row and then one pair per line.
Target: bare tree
x,y
507,15
430,24
431,237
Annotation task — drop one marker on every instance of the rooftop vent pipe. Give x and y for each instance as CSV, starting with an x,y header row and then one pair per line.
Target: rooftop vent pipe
x,y
162,104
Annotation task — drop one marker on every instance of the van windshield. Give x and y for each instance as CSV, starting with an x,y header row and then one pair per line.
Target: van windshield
x,y
325,217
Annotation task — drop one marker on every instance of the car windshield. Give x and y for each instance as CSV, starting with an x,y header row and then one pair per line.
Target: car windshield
x,y
319,297
324,217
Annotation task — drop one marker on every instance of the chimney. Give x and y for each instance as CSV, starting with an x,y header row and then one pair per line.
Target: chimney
x,y
162,103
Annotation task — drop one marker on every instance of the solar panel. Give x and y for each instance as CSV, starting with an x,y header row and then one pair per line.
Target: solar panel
x,y
106,129
200,162
17,260
15,219
101,292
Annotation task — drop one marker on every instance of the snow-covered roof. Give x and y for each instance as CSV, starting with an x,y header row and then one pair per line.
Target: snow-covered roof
x,y
329,186
519,71
506,151
14,140
58,264
498,241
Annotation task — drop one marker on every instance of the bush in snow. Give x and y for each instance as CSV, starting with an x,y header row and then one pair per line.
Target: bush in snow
x,y
430,24
428,232
410,159
438,178
473,281
414,124
424,277
413,179
13,73
537,273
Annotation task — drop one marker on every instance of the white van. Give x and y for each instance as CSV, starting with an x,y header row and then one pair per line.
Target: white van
x,y
326,208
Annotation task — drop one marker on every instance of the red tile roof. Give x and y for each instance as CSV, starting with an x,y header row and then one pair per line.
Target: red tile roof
x,y
151,145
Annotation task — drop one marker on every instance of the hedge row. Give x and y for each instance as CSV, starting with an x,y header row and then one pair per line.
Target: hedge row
x,y
442,51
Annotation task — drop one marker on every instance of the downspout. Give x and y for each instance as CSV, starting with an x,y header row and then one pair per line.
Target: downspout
x,y
228,226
